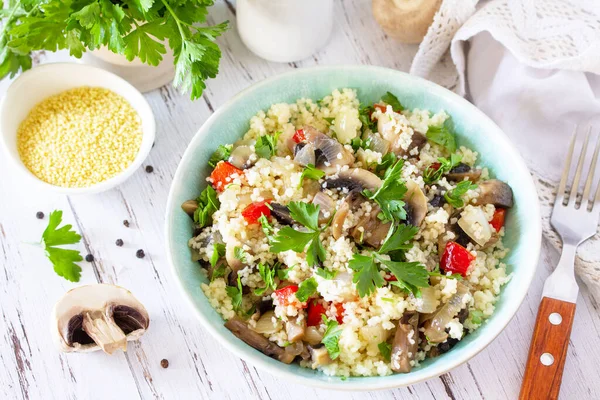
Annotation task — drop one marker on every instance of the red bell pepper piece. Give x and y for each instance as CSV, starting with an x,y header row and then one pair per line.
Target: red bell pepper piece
x,y
253,212
498,219
299,136
221,175
380,107
339,316
285,295
315,313
456,259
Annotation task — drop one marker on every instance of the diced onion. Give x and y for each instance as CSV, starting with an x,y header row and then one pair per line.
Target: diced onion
x,y
427,303
346,125
267,323
379,145
475,224
435,325
306,155
312,336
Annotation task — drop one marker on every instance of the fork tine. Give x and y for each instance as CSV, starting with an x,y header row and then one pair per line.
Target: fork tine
x,y
575,185
560,195
585,199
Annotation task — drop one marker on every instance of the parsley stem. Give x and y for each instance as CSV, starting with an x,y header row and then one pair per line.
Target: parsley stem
x,y
177,20
9,20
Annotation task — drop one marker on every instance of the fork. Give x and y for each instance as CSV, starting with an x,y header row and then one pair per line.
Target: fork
x,y
575,217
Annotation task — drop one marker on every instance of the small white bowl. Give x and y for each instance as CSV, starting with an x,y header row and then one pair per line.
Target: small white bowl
x,y
46,80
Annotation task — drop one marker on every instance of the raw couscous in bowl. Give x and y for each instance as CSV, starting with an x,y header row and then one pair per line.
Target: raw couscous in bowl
x,y
353,227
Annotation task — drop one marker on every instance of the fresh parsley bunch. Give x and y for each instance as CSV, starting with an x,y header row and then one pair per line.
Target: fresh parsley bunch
x,y
132,28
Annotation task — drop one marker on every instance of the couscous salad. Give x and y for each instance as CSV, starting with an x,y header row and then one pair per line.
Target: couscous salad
x,y
357,240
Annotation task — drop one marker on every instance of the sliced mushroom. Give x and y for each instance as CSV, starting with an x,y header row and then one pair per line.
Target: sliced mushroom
x,y
405,345
370,229
329,153
495,192
435,324
337,224
418,141
241,329
190,206
281,213
242,157
416,203
355,179
319,356
295,330
463,171
95,317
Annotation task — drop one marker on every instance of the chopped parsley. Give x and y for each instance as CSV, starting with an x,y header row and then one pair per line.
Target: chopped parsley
x,y
434,173
386,350
389,195
325,273
387,161
287,238
311,172
267,274
364,115
331,338
389,98
266,145
221,154
366,274
443,135
62,259
240,254
217,252
454,196
236,295
306,289
476,317
208,203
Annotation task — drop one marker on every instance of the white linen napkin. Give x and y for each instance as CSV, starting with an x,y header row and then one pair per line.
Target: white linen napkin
x,y
532,67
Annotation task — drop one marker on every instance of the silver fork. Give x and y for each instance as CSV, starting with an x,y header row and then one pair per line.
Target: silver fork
x,y
575,217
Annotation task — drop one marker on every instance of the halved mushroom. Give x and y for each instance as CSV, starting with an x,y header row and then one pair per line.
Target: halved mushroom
x,y
435,324
370,229
416,203
241,329
462,172
189,206
319,356
405,344
354,179
329,153
495,192
100,316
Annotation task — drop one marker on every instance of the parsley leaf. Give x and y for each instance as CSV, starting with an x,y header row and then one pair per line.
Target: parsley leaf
x,y
62,259
240,254
218,251
443,135
306,214
410,275
367,276
398,237
389,98
386,162
311,172
267,274
434,173
389,195
236,295
282,273
266,226
266,145
364,115
331,338
221,154
325,273
454,196
386,350
476,317
208,203
306,289
287,238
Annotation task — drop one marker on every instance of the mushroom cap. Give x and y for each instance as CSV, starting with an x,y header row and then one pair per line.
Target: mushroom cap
x,y
495,192
405,20
91,298
416,203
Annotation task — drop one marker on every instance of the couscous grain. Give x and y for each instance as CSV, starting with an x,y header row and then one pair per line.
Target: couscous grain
x,y
80,137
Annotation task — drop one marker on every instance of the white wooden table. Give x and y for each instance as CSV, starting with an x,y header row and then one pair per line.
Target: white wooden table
x,y
198,366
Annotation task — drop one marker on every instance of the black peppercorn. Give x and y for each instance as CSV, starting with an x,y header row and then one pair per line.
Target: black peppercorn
x,y
39,215
119,242
164,363
89,258
140,253
126,223
149,168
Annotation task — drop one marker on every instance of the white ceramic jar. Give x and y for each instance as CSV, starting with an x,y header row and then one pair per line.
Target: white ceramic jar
x,y
284,30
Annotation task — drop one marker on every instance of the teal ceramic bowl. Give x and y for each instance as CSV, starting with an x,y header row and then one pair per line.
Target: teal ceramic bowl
x,y
474,130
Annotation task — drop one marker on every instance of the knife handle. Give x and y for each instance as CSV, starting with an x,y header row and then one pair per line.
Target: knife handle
x,y
548,351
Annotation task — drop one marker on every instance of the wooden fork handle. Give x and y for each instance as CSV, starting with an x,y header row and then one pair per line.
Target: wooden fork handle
x,y
548,351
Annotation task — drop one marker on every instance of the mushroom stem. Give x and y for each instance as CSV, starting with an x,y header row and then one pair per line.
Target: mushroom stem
x,y
104,331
